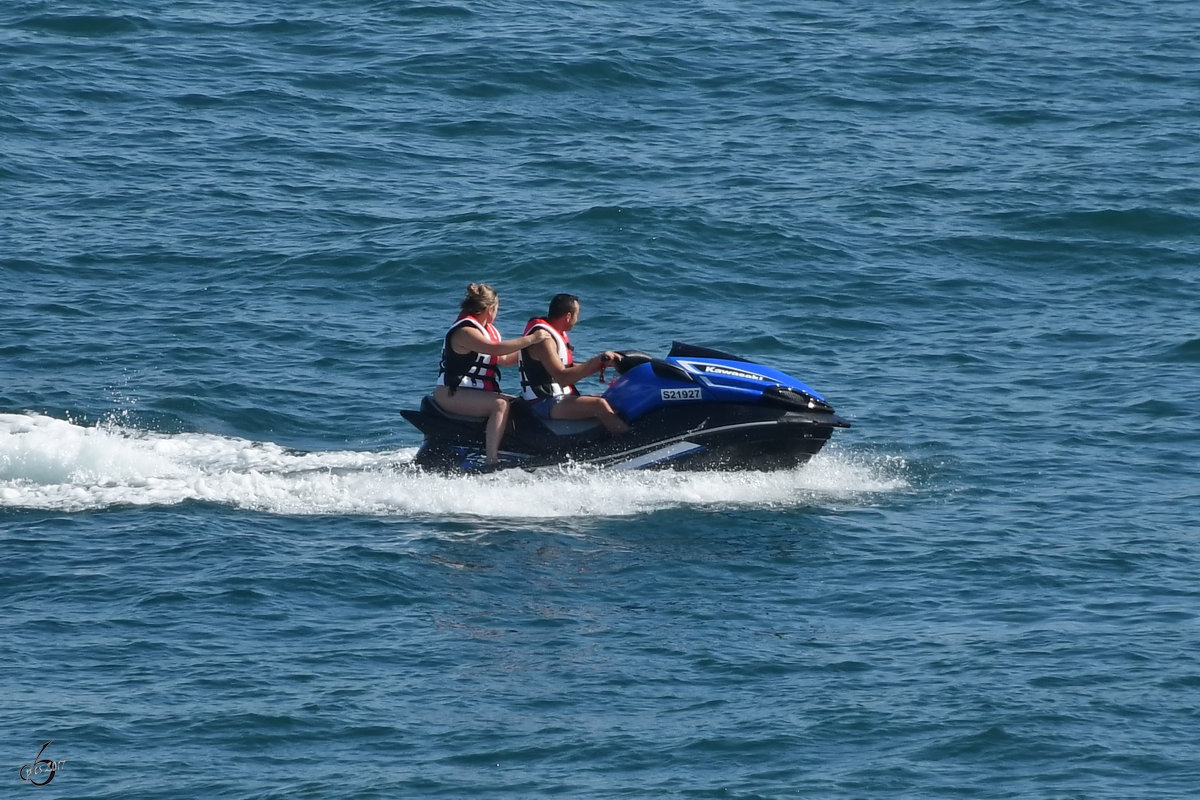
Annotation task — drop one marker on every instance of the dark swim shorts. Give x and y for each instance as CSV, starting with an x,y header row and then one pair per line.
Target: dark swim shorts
x,y
541,407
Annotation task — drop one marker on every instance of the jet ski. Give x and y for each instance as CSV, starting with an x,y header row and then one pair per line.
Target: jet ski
x,y
696,409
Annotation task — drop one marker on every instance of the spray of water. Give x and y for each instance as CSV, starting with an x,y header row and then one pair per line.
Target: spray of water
x,y
55,464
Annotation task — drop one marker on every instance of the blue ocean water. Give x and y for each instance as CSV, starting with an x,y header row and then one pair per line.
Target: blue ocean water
x,y
232,235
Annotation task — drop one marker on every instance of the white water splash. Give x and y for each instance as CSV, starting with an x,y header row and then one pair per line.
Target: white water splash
x,y
54,464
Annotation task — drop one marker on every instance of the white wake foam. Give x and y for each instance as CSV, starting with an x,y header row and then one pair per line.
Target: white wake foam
x,y
54,464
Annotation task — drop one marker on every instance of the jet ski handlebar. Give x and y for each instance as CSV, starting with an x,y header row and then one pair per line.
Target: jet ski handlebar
x,y
661,367
630,359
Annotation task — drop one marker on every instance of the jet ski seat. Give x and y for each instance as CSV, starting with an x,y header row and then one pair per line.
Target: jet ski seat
x,y
570,427
428,403
558,427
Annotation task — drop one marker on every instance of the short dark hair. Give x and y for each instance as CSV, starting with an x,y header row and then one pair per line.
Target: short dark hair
x,y
561,304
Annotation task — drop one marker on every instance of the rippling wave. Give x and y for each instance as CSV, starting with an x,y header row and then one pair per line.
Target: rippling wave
x,y
232,237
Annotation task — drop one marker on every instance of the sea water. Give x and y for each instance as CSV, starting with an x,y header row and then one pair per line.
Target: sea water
x,y
232,235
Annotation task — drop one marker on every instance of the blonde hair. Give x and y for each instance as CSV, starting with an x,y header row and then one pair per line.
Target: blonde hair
x,y
480,297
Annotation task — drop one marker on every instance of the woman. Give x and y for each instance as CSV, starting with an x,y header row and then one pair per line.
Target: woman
x,y
472,354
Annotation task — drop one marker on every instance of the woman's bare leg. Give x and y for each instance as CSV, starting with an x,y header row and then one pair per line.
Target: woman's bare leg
x,y
495,430
478,403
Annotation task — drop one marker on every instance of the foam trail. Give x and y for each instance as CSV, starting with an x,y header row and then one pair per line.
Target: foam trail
x,y
54,464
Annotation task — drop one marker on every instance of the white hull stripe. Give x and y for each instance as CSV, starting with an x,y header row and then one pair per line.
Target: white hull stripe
x,y
662,454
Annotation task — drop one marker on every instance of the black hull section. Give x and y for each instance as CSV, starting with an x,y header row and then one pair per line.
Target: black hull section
x,y
691,436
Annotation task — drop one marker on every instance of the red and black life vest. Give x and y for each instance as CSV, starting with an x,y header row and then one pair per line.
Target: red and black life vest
x,y
472,370
536,381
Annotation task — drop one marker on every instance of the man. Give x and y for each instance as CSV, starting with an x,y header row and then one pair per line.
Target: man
x,y
549,372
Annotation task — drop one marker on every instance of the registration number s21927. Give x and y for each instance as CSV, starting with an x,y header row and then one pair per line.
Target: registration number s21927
x,y
680,394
